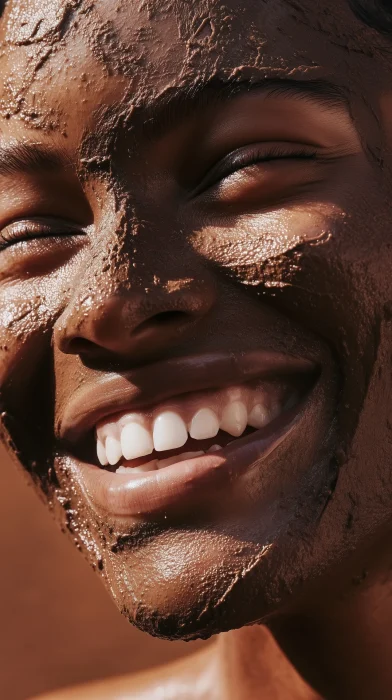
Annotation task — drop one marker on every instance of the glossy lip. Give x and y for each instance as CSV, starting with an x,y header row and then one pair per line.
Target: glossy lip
x,y
152,384
172,489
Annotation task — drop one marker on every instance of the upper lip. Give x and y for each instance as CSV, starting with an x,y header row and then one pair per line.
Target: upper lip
x,y
151,384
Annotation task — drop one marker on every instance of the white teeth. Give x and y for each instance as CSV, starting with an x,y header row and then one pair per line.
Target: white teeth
x,y
134,435
259,416
234,418
167,462
190,455
169,431
214,448
113,450
136,441
178,458
149,467
101,453
124,470
146,467
204,424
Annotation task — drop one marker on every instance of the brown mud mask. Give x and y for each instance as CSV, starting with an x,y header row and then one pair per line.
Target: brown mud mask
x,y
195,304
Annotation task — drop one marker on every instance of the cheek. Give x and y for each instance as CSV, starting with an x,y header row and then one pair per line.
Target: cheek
x,y
322,268
261,250
24,374
28,310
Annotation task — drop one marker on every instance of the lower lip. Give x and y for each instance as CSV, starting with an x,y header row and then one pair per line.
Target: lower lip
x,y
165,490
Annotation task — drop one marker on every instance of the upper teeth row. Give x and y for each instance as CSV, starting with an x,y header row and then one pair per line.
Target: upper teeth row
x,y
136,435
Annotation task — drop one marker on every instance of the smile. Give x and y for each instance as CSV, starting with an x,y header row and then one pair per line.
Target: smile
x,y
145,441
151,458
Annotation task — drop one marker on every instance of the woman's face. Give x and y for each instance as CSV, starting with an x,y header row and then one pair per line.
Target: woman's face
x,y
195,235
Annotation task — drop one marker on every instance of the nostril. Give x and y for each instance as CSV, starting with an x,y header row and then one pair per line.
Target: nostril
x,y
81,346
164,319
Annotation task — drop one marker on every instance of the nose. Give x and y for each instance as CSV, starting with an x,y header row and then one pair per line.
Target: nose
x,y
133,324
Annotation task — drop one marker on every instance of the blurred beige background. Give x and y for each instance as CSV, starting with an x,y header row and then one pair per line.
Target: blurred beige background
x,y
58,625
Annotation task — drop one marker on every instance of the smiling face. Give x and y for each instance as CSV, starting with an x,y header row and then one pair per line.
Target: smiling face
x,y
195,283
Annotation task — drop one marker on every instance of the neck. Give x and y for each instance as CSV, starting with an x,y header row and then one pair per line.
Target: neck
x,y
345,650
253,666
342,650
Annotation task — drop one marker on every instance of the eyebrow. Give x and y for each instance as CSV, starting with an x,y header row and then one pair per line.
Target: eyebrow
x,y
163,114
157,116
31,158
166,112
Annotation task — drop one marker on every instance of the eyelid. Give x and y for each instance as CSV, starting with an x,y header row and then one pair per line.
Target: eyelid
x,y
245,157
23,230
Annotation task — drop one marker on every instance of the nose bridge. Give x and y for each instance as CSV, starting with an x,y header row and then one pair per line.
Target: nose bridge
x,y
137,246
132,302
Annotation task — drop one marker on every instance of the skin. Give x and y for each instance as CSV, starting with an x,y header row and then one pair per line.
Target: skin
x,y
291,254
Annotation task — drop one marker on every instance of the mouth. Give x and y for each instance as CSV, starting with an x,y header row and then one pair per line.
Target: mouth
x,y
145,458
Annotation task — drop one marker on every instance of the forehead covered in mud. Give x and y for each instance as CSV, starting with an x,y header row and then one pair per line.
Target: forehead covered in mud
x,y
72,52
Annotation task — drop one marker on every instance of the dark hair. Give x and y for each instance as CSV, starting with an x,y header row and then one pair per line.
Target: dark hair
x,y
375,13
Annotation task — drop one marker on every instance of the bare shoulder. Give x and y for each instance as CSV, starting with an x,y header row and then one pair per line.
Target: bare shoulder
x,y
188,679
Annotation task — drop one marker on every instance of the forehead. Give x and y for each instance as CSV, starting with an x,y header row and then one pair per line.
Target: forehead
x,y
62,57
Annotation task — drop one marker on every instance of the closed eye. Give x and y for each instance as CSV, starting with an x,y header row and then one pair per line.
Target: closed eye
x,y
36,228
244,158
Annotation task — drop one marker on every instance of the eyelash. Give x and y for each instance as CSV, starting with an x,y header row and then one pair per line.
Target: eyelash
x,y
23,231
245,159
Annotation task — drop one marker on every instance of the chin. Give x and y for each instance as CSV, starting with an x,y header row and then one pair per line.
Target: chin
x,y
190,583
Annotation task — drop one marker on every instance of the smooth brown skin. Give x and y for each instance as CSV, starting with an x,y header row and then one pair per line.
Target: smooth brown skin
x,y
291,254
